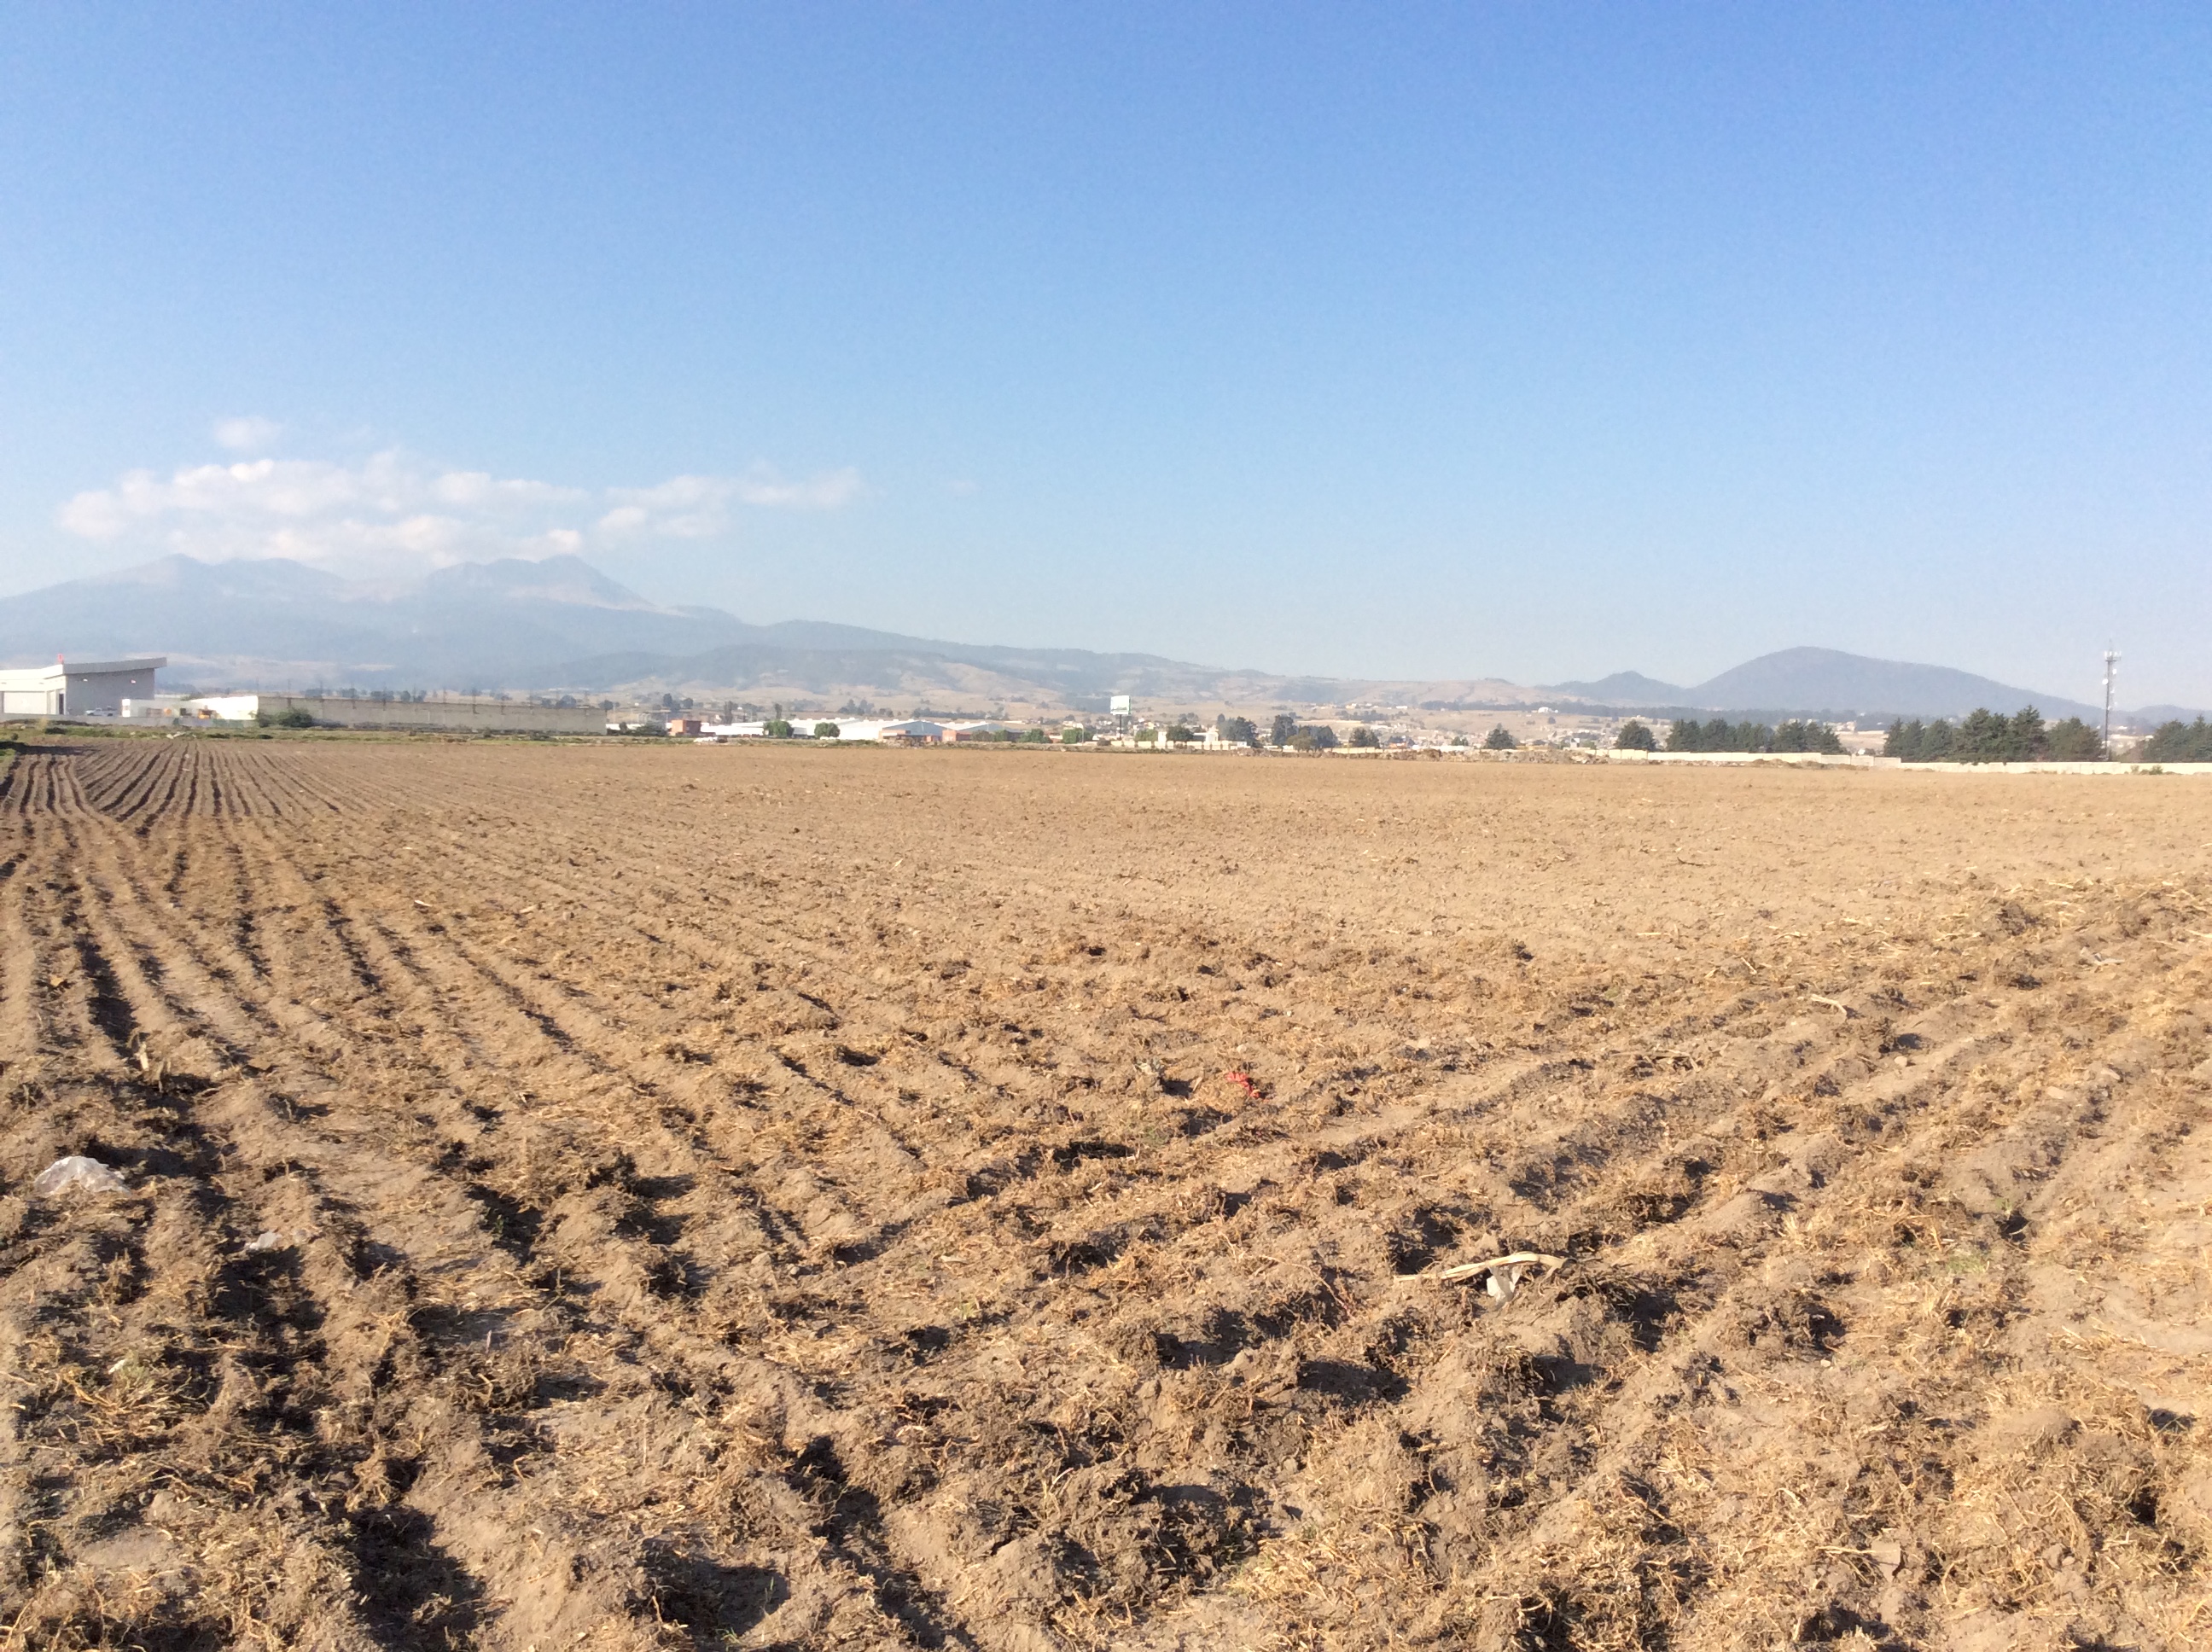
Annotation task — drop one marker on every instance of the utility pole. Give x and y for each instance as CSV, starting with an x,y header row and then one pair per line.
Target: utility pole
x,y
2112,668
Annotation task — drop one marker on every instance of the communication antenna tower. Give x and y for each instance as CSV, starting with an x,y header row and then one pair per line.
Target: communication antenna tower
x,y
2111,669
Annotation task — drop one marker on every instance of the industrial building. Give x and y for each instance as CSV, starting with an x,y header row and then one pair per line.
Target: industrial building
x,y
90,688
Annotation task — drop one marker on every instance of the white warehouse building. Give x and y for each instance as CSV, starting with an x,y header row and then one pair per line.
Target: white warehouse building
x,y
88,688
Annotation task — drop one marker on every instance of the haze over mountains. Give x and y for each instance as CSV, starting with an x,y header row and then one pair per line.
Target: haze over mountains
x,y
1826,680
559,625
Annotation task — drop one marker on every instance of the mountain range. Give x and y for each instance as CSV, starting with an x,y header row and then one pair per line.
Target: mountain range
x,y
561,625
1826,682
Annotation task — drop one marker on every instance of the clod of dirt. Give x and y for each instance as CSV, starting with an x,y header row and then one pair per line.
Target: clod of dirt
x,y
76,1174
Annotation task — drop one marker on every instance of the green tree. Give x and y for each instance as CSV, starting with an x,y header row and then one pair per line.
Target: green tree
x,y
1806,736
1238,731
2070,740
1279,731
1498,740
1634,736
295,717
1684,734
777,728
827,731
1363,738
1984,736
1074,734
2178,742
1179,735
1313,737
1035,736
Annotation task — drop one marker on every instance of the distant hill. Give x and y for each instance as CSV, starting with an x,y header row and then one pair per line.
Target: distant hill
x,y
558,624
1828,682
271,622
1625,688
1825,681
561,625
2154,715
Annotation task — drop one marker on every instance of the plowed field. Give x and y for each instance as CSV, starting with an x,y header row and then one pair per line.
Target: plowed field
x,y
666,1196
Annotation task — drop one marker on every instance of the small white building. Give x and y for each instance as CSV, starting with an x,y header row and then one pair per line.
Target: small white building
x,y
166,707
90,688
225,707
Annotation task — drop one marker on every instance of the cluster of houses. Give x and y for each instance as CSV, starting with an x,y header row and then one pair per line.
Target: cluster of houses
x,y
913,731
125,689
921,731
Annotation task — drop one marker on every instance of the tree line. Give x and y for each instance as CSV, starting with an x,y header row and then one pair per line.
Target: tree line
x,y
1688,734
1991,737
2178,742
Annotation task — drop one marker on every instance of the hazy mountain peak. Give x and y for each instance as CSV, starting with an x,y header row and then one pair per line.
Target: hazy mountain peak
x,y
1625,688
559,623
564,579
265,575
1829,680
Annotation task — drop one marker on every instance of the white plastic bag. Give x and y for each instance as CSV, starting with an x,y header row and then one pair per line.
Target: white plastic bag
x,y
76,1174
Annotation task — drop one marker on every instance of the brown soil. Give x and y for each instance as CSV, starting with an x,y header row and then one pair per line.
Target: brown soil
x,y
723,1196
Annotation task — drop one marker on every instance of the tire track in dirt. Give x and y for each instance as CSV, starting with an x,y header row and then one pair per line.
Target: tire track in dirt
x,y
76,1388
601,1218
457,1254
896,1588
222,1183
568,1017
308,1215
696,1560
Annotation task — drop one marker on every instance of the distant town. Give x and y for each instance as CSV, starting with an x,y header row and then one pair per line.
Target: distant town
x,y
126,694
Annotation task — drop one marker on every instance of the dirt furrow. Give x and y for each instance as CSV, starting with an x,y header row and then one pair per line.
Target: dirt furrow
x,y
813,1198
374,1309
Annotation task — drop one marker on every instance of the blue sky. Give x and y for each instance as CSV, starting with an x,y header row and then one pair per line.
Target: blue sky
x,y
1529,341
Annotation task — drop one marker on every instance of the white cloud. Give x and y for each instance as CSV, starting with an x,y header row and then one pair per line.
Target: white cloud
x,y
395,512
821,493
249,434
697,507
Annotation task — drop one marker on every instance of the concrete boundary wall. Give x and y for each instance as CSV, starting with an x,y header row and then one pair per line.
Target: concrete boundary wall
x,y
1820,759
2065,768
1851,759
481,715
